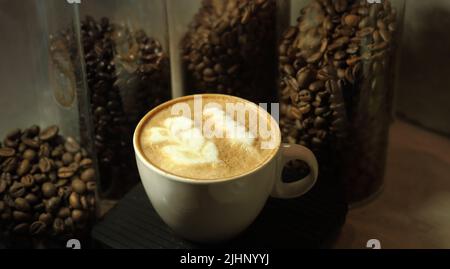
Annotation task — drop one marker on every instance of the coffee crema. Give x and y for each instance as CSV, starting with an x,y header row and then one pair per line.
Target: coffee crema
x,y
208,137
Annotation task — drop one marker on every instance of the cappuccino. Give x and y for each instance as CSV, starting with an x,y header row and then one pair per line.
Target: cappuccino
x,y
208,137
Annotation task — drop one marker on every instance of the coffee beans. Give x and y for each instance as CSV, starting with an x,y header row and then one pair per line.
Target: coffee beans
x,y
48,189
66,172
38,177
330,65
49,133
230,47
7,152
37,228
88,175
22,204
78,186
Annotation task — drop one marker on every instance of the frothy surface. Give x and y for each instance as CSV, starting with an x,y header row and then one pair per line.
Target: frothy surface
x,y
213,145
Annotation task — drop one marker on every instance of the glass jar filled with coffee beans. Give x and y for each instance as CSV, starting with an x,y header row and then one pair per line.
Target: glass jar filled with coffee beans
x,y
224,46
48,175
126,70
337,64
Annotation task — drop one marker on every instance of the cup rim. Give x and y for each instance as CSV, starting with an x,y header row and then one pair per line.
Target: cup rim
x,y
149,165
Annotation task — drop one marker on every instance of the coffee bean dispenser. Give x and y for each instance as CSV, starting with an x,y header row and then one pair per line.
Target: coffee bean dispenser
x,y
125,68
47,170
337,65
224,46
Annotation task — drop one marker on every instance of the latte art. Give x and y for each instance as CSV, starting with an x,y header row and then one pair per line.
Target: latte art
x,y
214,145
183,142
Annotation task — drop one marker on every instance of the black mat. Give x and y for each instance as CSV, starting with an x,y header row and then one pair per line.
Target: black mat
x,y
311,221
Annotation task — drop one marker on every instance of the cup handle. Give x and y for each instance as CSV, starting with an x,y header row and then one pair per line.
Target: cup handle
x,y
295,189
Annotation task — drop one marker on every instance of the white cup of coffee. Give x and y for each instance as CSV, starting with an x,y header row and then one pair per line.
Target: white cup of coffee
x,y
209,163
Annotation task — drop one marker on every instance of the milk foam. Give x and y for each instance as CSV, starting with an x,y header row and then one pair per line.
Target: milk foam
x,y
233,130
185,143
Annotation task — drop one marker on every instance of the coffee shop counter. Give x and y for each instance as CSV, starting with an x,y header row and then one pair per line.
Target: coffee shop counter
x,y
412,210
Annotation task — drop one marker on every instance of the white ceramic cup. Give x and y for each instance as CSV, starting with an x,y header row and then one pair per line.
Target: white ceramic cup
x,y
215,210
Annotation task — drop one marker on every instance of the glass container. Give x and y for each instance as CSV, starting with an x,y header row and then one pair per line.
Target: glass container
x,y
226,46
47,171
337,65
125,68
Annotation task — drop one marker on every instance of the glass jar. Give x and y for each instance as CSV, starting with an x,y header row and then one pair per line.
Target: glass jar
x,y
125,68
47,172
224,47
337,66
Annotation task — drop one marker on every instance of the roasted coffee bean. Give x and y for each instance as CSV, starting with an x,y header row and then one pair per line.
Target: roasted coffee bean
x,y
79,186
66,172
77,158
78,216
64,212
44,151
316,86
49,133
27,181
64,192
48,189
351,20
31,143
37,228
9,165
71,145
45,165
61,183
22,204
21,228
20,216
7,152
2,206
86,163
17,190
29,154
58,226
67,158
52,204
74,201
88,175
40,178
46,218
57,152
24,167
31,198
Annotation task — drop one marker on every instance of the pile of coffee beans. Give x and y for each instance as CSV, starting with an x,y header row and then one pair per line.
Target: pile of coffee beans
x,y
335,84
127,75
230,48
47,185
110,123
